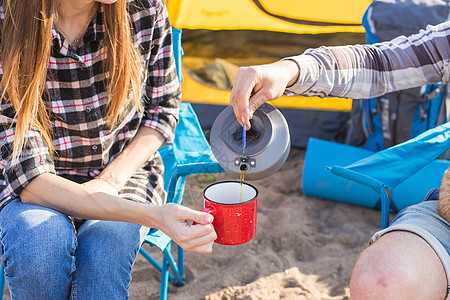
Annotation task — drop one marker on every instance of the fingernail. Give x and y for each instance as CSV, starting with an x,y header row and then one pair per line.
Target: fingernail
x,y
208,218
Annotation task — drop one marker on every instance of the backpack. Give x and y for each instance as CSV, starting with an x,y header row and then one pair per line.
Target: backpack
x,y
382,122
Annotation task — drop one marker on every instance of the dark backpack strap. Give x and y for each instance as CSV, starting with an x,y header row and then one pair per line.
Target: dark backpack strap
x,y
444,110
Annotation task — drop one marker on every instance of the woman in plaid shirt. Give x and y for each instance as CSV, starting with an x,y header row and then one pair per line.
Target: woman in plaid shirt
x,y
411,258
89,93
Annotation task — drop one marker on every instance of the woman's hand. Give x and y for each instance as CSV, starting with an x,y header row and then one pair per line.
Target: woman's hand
x,y
258,84
176,222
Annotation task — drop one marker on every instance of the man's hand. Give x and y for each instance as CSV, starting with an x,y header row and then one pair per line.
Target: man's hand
x,y
258,84
444,197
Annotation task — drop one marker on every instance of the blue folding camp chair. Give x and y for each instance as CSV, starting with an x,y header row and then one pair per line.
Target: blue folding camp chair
x,y
317,181
388,168
189,154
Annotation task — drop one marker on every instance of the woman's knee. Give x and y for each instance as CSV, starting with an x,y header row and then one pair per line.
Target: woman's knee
x,y
38,239
38,248
106,251
100,241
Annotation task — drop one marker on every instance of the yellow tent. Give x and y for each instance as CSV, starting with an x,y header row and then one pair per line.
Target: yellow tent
x,y
294,16
309,23
196,92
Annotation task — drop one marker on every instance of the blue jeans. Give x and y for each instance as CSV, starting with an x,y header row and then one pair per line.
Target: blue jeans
x,y
46,258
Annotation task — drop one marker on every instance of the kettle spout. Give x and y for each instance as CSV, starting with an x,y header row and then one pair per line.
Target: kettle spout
x,y
244,163
244,167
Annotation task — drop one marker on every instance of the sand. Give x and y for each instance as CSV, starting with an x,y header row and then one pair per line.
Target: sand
x,y
304,247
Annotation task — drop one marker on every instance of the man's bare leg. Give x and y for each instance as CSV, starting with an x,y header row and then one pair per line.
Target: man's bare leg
x,y
399,265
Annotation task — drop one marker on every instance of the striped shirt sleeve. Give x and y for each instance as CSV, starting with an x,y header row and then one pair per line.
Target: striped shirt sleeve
x,y
366,71
33,161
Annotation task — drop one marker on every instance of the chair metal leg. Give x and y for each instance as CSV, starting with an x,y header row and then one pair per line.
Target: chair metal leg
x,y
179,280
2,279
169,269
153,261
164,276
180,258
372,183
385,208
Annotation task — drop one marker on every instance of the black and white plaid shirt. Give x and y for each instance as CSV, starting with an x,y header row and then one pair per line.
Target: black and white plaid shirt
x,y
366,71
78,98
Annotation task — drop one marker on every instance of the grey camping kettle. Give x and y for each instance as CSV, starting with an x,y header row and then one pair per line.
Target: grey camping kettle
x,y
267,143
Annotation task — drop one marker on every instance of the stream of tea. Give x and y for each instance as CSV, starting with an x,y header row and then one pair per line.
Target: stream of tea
x,y
244,137
242,185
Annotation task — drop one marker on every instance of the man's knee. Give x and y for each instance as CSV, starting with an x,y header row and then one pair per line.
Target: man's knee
x,y
400,265
378,276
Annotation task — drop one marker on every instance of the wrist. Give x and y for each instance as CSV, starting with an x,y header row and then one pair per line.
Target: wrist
x,y
152,216
292,69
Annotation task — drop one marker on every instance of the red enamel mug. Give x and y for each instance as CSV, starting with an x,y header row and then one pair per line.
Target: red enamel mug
x,y
234,218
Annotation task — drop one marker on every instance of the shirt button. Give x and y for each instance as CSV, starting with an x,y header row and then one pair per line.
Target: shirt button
x,y
94,147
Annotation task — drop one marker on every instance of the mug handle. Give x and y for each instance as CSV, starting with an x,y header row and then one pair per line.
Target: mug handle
x,y
210,210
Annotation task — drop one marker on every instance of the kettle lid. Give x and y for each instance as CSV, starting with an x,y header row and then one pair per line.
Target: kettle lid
x,y
267,142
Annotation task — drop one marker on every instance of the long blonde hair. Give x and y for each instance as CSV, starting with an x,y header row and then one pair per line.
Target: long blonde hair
x,y
28,25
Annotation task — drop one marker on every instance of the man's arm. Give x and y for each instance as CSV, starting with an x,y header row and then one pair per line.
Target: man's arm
x,y
366,71
444,197
358,72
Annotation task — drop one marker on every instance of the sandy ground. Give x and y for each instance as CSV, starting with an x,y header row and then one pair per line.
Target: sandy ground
x,y
304,247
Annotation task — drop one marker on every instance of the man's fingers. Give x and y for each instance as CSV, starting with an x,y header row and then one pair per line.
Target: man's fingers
x,y
243,88
255,102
